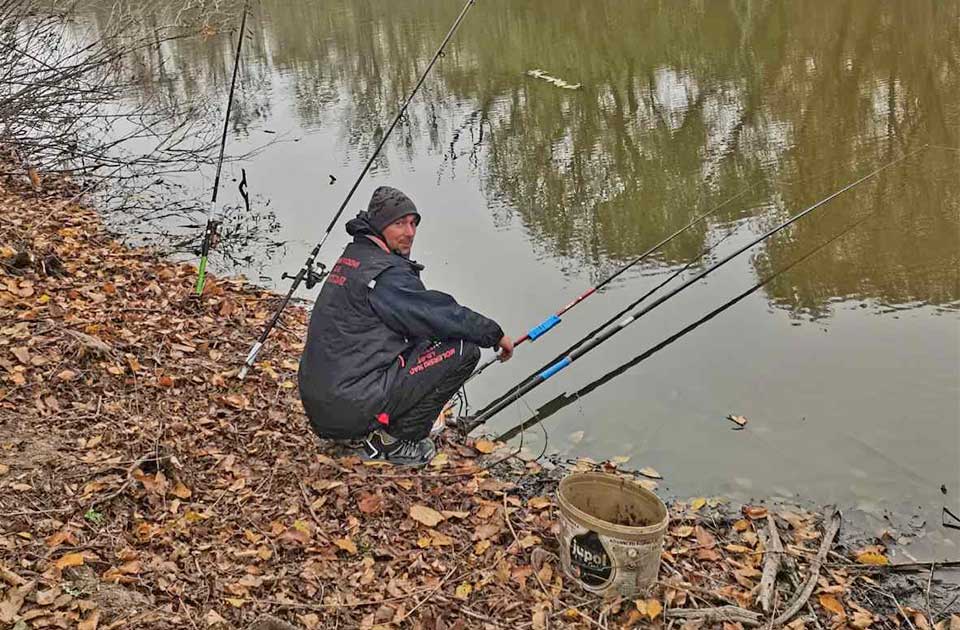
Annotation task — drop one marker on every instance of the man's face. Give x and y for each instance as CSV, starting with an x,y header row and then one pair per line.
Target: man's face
x,y
399,234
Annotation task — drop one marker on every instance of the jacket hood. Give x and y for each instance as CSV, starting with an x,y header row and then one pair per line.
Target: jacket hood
x,y
360,228
360,225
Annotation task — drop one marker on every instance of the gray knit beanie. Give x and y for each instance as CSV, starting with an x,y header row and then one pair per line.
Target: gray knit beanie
x,y
387,205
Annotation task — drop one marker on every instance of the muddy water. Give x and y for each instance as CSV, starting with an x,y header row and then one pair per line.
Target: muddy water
x,y
847,367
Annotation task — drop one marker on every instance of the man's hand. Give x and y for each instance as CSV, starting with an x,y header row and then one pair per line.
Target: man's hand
x,y
506,348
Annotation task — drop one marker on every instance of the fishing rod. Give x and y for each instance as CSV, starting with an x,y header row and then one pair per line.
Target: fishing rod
x,y
213,225
622,311
633,304
558,403
307,273
556,367
546,325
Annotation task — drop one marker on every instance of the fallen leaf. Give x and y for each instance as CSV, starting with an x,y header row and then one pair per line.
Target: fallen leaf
x,y
370,503
425,515
13,600
482,546
697,503
485,446
754,512
710,555
90,623
861,620
529,541
654,608
830,603
69,560
213,618
438,539
236,602
295,535
738,549
463,590
45,598
181,491
539,503
704,538
539,619
682,531
488,530
22,354
346,544
67,375
650,472
872,558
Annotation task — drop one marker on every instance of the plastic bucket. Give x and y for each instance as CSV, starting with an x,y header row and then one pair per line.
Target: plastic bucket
x,y
611,533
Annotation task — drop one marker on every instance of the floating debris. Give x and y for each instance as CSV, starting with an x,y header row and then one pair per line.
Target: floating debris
x,y
560,83
740,421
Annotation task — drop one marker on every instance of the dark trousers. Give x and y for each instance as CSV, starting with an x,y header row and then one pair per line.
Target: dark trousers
x,y
431,374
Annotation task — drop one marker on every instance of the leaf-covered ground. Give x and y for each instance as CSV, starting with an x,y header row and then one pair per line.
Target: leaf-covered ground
x,y
142,485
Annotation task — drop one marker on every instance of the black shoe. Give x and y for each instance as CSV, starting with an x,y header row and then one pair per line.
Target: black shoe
x,y
381,446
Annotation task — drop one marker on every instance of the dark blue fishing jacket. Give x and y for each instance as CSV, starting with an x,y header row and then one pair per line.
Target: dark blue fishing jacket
x,y
371,312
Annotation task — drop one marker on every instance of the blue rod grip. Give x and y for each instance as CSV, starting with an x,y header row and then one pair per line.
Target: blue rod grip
x,y
543,327
553,369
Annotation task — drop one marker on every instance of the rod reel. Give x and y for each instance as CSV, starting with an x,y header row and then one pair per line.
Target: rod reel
x,y
308,274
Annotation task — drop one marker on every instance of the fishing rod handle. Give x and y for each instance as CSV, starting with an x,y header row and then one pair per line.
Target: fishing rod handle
x,y
538,330
518,394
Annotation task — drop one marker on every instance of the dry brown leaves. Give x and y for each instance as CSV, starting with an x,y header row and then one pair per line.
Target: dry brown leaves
x,y
143,486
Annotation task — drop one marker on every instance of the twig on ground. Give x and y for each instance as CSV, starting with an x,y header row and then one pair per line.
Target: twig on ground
x,y
771,565
831,527
795,581
732,614
896,603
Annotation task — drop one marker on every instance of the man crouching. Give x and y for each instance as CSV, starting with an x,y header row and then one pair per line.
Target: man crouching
x,y
383,353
